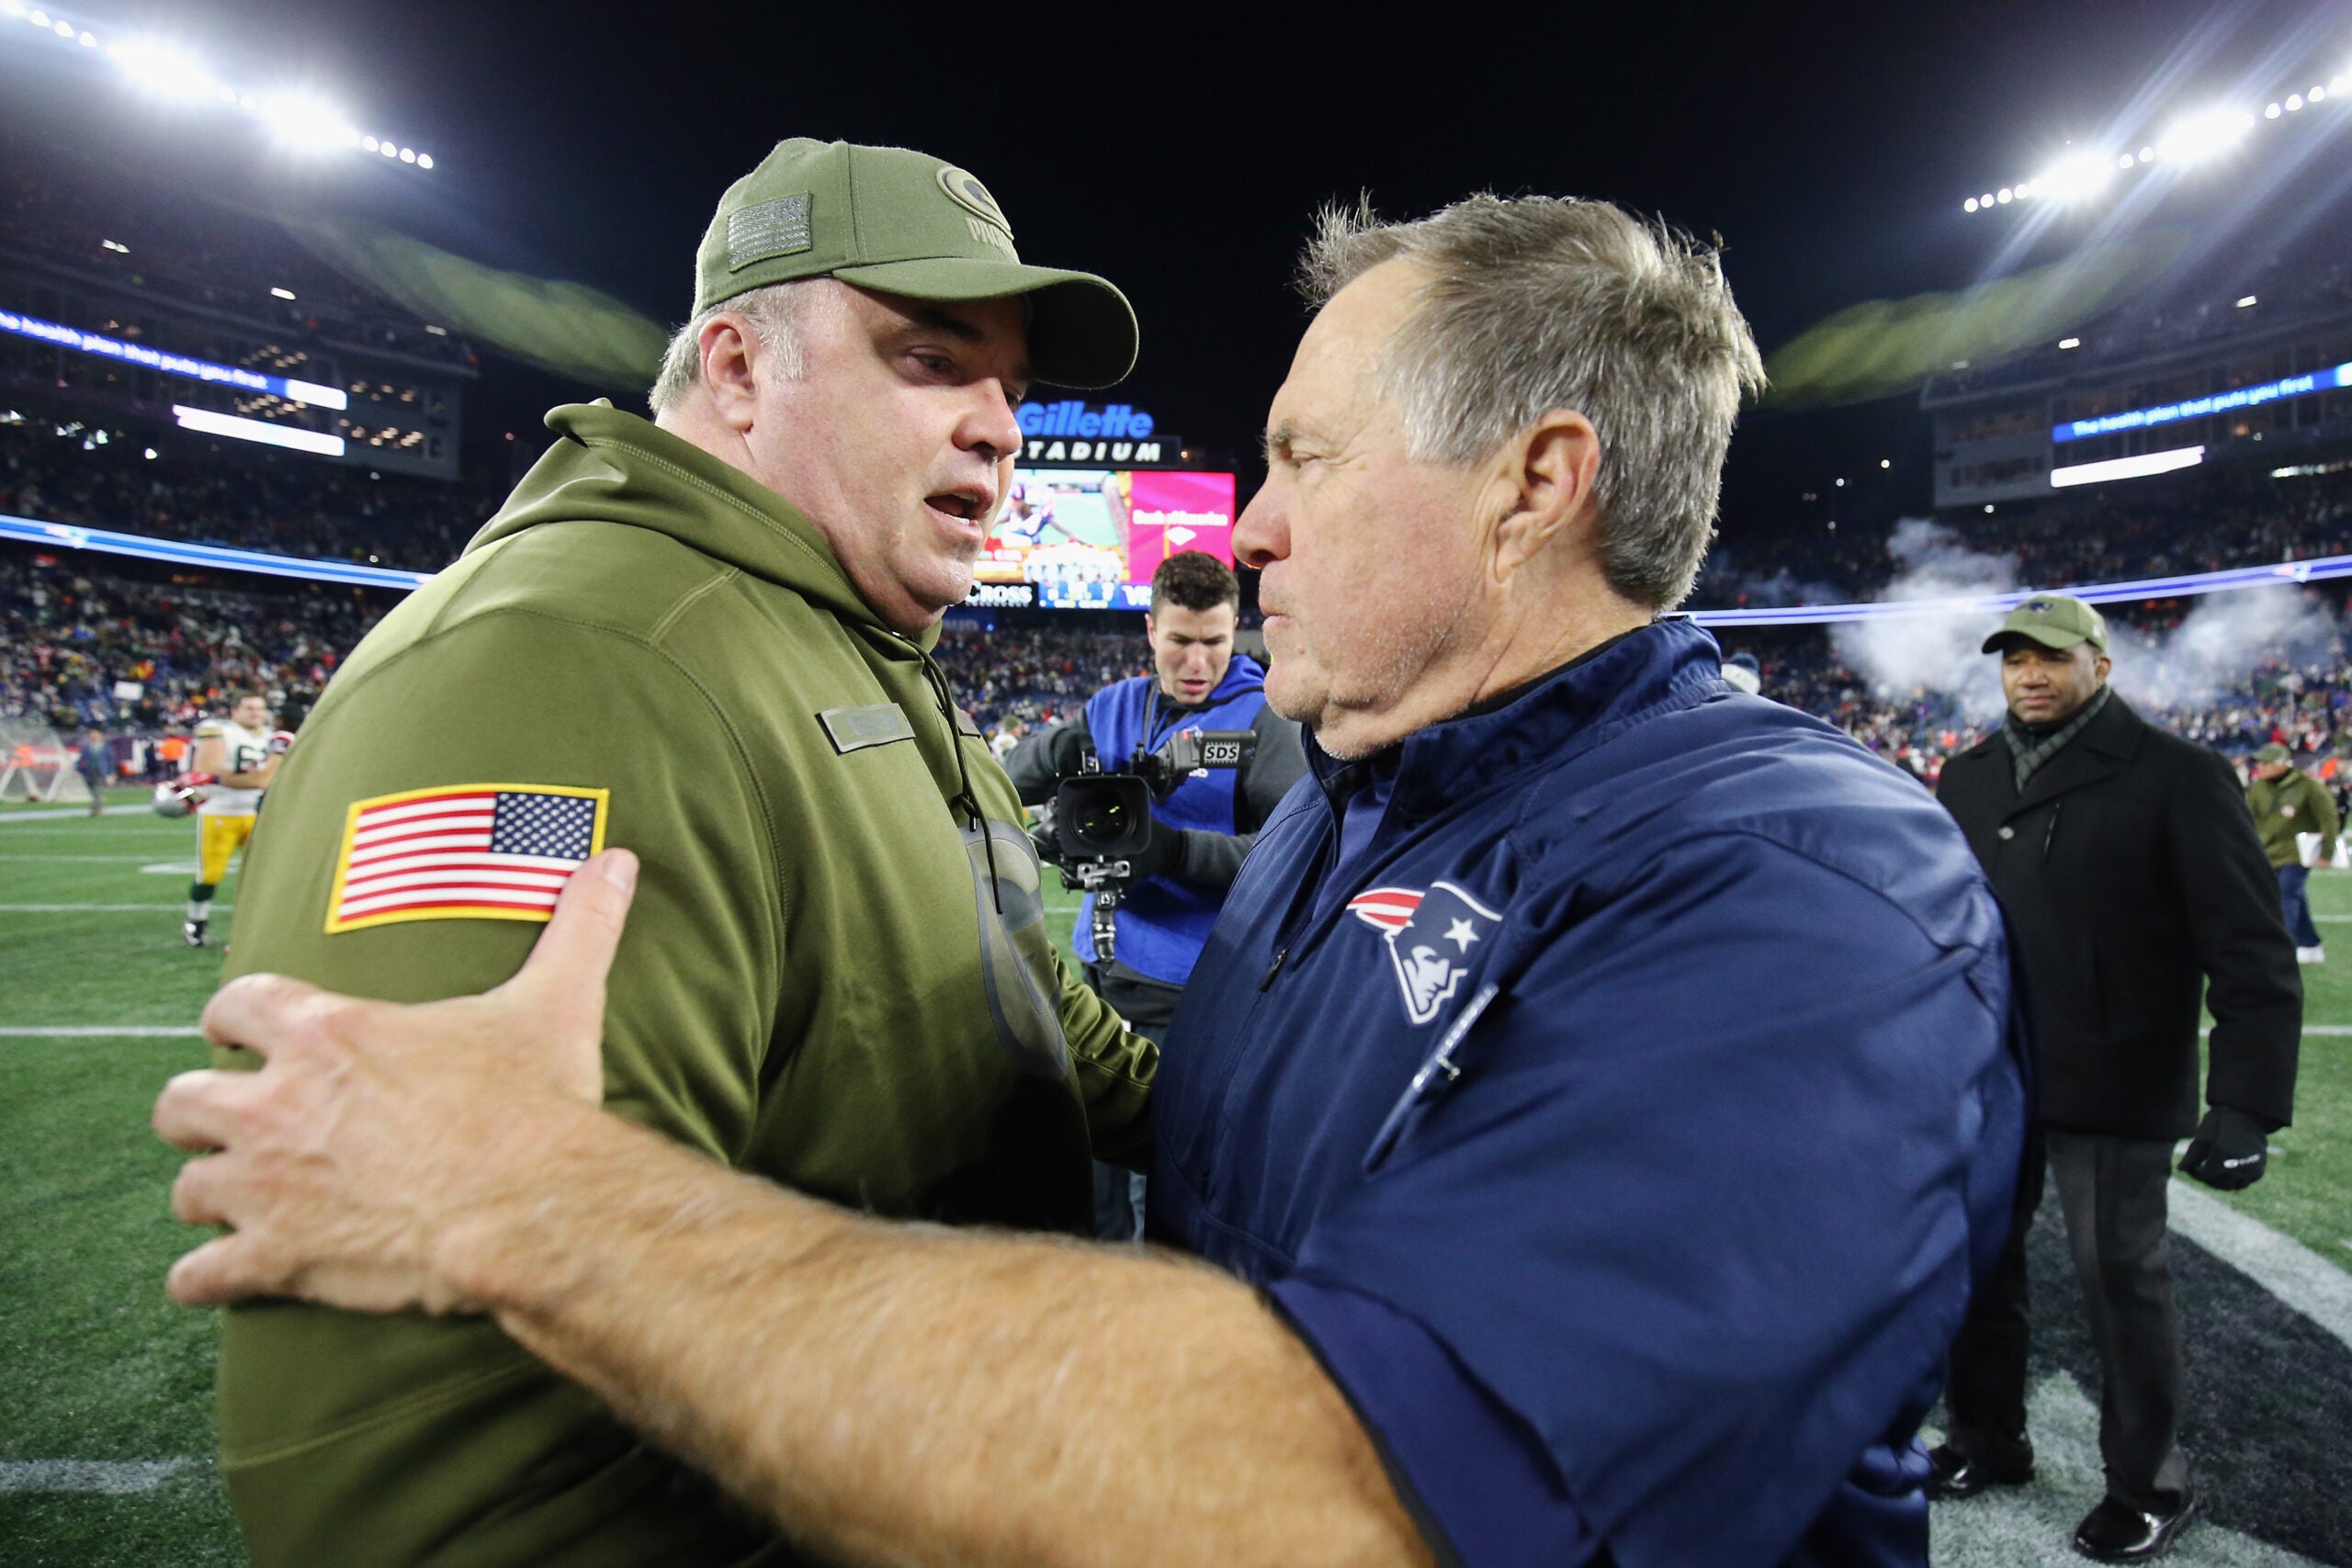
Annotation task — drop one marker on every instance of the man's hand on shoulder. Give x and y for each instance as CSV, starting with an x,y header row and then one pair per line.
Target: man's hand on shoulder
x,y
337,1162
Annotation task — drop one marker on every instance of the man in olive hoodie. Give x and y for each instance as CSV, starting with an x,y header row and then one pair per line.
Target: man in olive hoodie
x,y
705,639
2288,803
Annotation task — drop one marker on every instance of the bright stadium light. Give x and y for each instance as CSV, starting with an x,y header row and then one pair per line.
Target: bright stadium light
x,y
158,68
2197,138
307,123
2075,176
2205,135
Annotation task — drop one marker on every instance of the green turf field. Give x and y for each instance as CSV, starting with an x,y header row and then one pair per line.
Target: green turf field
x,y
98,1369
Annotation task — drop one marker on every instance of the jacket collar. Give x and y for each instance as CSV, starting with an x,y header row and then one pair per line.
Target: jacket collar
x,y
1670,663
2112,736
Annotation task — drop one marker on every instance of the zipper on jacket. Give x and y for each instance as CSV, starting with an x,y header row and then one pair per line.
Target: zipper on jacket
x,y
1274,968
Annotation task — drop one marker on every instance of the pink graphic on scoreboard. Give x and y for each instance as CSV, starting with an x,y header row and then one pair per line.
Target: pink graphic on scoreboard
x,y
1170,511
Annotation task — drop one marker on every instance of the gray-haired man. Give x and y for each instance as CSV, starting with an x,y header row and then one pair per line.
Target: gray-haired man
x,y
1602,1079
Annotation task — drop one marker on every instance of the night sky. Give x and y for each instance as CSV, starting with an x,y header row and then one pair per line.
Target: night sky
x,y
1178,152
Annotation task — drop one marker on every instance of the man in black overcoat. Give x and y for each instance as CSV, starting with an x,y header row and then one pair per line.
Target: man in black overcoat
x,y
2134,884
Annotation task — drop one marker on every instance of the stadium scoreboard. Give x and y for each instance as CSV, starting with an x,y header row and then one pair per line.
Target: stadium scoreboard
x,y
1084,538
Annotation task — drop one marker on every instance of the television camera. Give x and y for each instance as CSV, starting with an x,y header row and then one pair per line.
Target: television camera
x,y
1099,819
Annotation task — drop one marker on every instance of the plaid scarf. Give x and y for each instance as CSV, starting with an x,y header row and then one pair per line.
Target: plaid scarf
x,y
2026,754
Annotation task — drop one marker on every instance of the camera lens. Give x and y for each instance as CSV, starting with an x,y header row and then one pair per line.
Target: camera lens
x,y
1102,822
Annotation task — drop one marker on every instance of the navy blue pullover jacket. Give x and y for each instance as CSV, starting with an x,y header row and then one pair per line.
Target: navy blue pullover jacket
x,y
1621,1124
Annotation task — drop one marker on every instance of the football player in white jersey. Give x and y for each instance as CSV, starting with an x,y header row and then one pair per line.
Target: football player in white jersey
x,y
240,753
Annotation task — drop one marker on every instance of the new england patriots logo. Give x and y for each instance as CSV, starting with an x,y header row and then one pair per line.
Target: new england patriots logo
x,y
1432,939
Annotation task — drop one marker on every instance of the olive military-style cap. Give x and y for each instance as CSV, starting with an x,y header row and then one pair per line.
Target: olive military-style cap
x,y
903,222
2274,752
2054,620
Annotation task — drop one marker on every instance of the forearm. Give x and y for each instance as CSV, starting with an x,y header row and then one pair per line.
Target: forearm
x,y
1212,860
912,1394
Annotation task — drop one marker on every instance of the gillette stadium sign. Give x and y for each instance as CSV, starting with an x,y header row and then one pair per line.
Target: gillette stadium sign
x,y
1075,432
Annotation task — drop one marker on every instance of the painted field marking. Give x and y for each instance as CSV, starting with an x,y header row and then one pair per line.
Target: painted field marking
x,y
96,908
116,1476
76,860
100,1031
2298,1277
54,814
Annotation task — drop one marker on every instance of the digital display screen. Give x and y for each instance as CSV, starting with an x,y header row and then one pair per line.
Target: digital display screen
x,y
1090,538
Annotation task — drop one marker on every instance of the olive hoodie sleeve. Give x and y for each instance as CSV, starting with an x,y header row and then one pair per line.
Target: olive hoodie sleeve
x,y
2252,986
408,1440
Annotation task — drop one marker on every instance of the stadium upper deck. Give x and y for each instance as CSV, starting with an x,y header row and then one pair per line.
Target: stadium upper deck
x,y
134,301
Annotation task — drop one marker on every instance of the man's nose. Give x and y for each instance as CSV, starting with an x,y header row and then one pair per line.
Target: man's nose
x,y
991,429
1260,533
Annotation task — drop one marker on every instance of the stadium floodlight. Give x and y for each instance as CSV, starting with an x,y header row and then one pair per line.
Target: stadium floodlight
x,y
2072,178
307,123
156,67
2245,301
281,293
160,69
2294,102
2070,342
2205,135
1969,205
2272,112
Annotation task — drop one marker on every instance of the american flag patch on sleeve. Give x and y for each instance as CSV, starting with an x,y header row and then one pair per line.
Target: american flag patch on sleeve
x,y
463,852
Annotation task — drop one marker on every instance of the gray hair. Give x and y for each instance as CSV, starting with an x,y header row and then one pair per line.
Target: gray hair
x,y
775,313
1541,303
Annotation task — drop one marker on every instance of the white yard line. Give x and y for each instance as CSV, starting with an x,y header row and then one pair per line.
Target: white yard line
x,y
78,860
98,909
116,1476
100,1031
2279,1264
63,811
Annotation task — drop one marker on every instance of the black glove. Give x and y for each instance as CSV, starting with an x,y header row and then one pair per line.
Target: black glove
x,y
1161,856
2229,1151
1066,747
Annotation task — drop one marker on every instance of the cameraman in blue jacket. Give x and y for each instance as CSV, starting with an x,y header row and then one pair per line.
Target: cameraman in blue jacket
x,y
1200,832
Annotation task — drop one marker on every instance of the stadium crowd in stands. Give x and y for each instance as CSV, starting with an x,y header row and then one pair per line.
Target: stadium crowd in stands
x,y
70,631
75,629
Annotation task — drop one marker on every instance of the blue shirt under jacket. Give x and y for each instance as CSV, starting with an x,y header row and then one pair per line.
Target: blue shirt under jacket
x,y
1624,1132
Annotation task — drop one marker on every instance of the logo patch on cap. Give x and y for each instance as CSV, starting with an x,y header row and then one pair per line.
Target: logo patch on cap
x,y
2039,607
966,191
776,228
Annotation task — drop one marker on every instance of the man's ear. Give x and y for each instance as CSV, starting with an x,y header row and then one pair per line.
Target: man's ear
x,y
1547,480
730,371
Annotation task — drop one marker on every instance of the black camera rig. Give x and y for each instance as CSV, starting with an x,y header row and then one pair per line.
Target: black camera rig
x,y
1098,819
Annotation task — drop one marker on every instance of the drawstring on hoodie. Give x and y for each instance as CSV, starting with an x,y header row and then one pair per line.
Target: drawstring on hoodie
x,y
964,796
